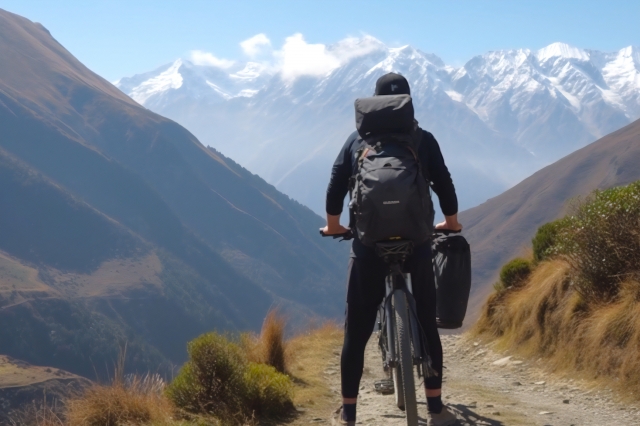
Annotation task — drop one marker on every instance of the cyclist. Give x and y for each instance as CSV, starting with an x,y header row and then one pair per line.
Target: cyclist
x,y
366,274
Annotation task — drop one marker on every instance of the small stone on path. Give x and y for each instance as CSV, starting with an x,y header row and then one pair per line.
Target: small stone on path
x,y
502,362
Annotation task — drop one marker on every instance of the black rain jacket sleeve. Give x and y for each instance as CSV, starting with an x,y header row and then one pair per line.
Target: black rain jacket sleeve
x,y
429,153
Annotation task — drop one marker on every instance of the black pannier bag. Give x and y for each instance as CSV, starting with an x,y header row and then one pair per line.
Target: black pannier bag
x,y
390,196
452,270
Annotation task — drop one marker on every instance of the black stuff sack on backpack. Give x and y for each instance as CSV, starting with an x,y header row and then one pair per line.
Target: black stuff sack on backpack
x,y
452,270
384,114
390,196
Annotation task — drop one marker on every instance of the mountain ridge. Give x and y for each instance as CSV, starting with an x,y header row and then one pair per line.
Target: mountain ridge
x,y
498,118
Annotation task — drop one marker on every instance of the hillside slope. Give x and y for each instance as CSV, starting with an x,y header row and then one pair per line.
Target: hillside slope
x,y
114,216
500,228
22,385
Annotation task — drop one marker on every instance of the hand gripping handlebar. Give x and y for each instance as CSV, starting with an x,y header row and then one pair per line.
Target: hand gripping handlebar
x,y
343,237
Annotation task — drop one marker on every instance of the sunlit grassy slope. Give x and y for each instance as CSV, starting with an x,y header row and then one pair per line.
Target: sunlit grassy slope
x,y
579,308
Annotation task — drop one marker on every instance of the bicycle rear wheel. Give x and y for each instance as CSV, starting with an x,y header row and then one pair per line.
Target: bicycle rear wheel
x,y
405,369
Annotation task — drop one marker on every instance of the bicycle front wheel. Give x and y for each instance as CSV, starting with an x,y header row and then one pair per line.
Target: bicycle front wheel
x,y
405,357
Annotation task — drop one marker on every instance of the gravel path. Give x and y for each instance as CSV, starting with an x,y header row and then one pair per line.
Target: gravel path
x,y
486,388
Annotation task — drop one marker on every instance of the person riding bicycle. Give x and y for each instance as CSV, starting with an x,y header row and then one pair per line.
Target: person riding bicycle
x,y
366,272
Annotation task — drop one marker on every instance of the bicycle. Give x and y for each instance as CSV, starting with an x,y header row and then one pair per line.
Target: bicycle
x,y
401,341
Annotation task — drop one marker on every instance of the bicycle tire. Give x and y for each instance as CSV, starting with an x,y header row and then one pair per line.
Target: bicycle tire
x,y
394,372
405,357
398,386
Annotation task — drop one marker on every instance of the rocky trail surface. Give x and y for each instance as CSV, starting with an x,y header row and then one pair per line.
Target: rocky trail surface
x,y
484,387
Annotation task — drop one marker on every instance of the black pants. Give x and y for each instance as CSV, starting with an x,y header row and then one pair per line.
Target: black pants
x,y
366,290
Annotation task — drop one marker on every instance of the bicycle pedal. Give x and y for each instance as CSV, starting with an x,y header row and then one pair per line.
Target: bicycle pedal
x,y
385,387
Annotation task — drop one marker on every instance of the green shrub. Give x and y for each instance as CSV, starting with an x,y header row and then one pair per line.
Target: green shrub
x,y
498,286
269,392
514,273
545,240
601,240
212,381
218,380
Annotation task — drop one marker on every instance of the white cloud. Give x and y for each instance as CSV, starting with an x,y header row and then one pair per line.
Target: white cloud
x,y
255,44
199,57
298,58
353,47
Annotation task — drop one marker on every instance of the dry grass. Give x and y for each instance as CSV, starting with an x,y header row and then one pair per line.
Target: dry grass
x,y
270,346
38,414
311,354
547,317
135,401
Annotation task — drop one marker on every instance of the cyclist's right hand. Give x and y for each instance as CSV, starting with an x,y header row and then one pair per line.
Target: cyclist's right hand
x,y
450,224
334,230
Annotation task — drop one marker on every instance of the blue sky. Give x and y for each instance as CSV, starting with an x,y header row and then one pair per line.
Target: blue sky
x,y
119,38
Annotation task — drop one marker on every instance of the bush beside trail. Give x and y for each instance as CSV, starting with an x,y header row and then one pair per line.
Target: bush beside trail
x,y
600,240
218,380
579,307
513,274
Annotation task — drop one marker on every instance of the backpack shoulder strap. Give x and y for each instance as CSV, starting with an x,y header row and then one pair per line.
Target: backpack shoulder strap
x,y
418,136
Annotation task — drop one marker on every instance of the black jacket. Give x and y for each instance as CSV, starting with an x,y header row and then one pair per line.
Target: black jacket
x,y
431,158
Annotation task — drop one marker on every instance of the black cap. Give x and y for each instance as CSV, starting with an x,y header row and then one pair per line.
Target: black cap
x,y
392,84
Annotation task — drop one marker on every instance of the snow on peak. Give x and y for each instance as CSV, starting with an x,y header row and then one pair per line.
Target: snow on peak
x,y
631,52
563,50
168,79
251,71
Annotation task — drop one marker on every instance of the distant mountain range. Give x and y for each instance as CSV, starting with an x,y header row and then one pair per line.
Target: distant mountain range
x,y
117,226
502,228
499,118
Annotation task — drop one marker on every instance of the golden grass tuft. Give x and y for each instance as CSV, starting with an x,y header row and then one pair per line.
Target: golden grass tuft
x,y
547,317
137,401
270,346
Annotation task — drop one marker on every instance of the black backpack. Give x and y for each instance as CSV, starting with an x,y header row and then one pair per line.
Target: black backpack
x,y
390,197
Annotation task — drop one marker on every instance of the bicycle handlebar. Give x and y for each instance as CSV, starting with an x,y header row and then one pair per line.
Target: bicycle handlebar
x,y
343,237
446,231
346,236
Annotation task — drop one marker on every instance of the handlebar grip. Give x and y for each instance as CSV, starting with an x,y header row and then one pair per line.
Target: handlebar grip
x,y
345,236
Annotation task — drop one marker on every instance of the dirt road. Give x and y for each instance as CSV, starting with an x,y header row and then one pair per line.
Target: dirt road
x,y
486,388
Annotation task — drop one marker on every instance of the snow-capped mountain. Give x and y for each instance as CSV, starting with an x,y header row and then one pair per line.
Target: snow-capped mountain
x,y
499,118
